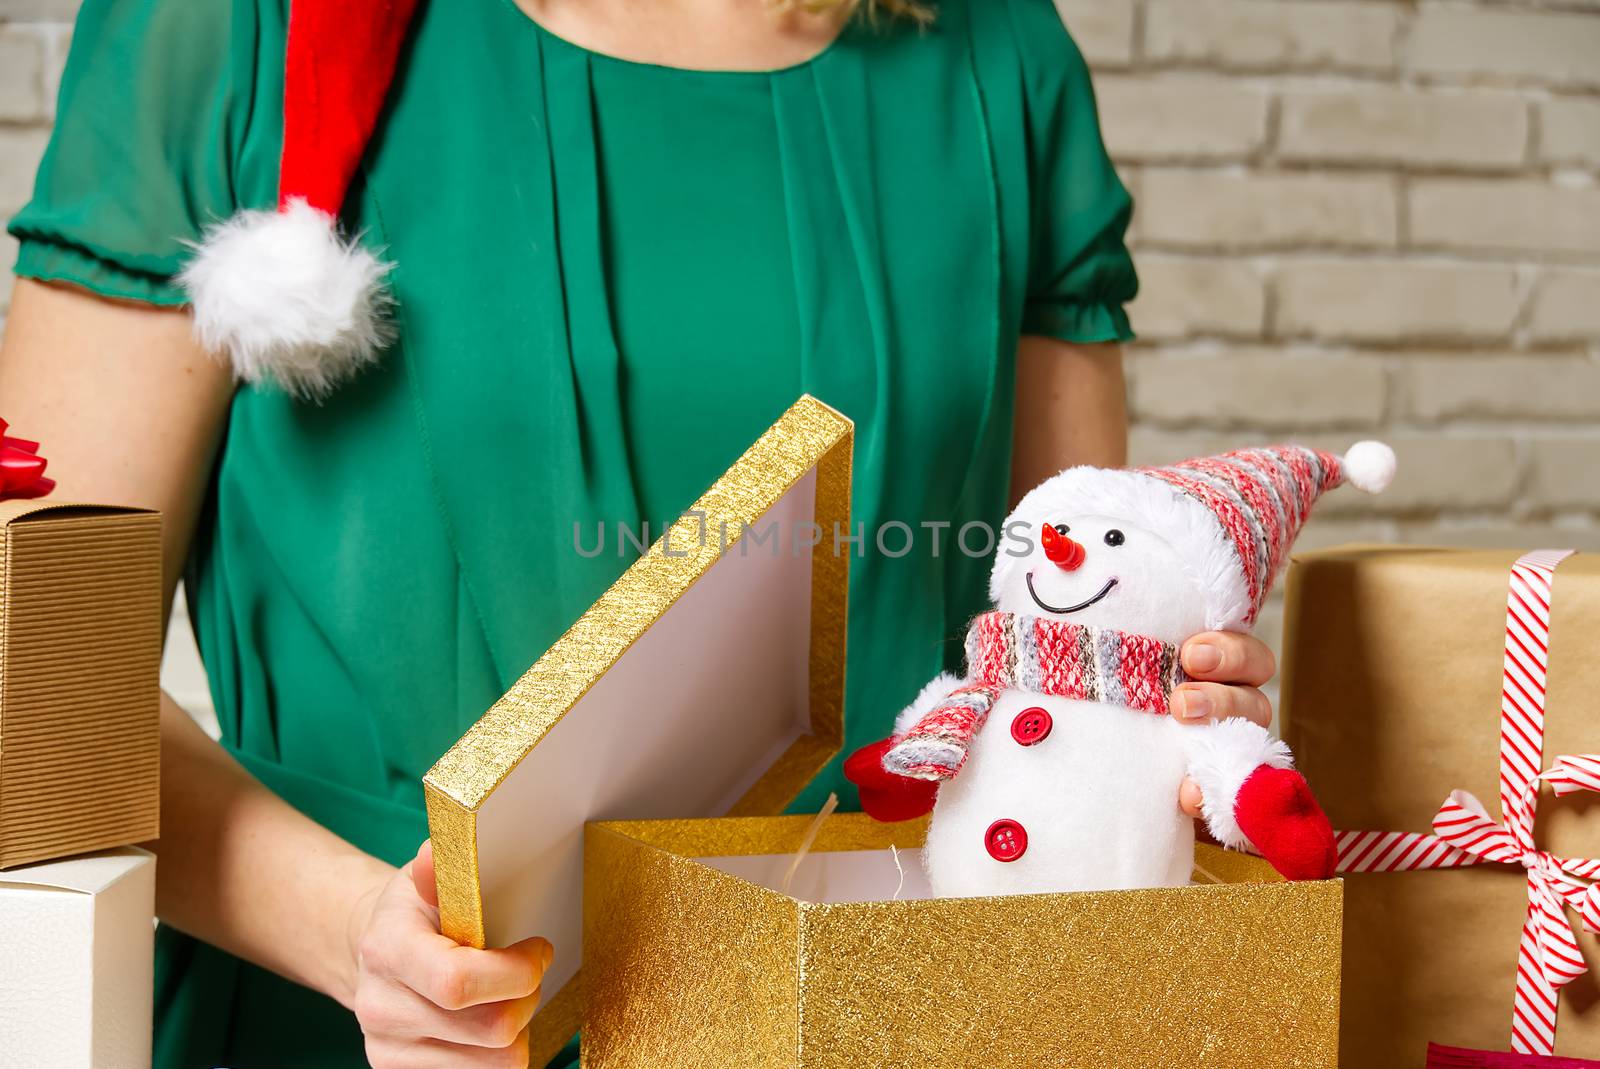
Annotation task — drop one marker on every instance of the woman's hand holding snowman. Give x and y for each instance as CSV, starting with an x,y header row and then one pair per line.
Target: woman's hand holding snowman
x,y
1227,670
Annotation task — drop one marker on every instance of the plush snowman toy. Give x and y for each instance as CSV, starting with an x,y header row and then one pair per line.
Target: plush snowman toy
x,y
1053,765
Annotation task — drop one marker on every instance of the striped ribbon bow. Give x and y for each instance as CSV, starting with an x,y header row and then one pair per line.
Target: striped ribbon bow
x,y
1464,833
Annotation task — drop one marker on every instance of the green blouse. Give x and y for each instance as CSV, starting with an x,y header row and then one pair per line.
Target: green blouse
x,y
611,277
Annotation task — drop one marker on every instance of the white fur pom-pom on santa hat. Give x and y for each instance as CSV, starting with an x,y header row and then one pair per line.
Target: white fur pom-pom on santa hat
x,y
281,295
288,300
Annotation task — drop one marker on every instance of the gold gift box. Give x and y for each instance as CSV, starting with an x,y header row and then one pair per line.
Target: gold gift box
x,y
1393,658
709,679
80,663
695,956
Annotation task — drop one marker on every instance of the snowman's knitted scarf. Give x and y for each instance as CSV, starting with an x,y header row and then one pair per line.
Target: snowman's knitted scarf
x,y
1045,655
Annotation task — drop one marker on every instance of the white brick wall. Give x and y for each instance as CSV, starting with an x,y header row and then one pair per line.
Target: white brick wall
x,y
1529,217
22,56
1182,117
1570,132
1390,126
1479,44
32,48
1356,218
1372,218
1566,308
1296,35
1390,302
1215,209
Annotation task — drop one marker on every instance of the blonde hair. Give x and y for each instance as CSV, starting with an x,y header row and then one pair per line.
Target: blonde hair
x,y
913,10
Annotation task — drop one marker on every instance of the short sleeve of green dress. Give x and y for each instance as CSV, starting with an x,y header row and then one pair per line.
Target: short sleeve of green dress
x,y
611,277
163,117
1080,273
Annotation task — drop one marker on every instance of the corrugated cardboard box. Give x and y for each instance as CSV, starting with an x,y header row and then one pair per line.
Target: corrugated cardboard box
x,y
80,663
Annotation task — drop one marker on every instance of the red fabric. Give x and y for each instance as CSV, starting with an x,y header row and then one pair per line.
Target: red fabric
x,y
1006,840
885,796
1145,667
1278,813
1260,497
21,468
1031,726
1250,485
1461,1058
341,59
1066,658
1235,524
986,658
1062,551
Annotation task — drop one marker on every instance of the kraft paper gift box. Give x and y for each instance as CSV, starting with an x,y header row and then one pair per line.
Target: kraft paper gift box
x,y
80,663
76,959
1394,665
695,700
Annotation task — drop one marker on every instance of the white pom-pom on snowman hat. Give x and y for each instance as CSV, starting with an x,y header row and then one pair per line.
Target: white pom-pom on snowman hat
x,y
281,295
1232,518
1369,466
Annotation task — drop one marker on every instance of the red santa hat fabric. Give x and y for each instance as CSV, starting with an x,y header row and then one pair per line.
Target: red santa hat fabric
x,y
282,295
1232,517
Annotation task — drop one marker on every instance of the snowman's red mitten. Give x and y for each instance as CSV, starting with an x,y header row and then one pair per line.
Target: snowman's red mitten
x,y
1253,799
1278,813
884,795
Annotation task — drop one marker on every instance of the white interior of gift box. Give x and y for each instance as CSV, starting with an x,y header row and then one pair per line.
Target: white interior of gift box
x,y
834,876
682,726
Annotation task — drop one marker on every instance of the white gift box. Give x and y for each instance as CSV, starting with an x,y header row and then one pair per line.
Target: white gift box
x,y
77,948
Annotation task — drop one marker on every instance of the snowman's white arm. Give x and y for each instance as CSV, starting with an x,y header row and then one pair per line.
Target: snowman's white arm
x,y
1221,758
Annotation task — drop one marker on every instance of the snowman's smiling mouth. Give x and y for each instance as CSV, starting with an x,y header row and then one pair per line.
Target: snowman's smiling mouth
x,y
1063,610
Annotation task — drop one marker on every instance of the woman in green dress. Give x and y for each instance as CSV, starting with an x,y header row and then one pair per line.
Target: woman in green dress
x,y
628,235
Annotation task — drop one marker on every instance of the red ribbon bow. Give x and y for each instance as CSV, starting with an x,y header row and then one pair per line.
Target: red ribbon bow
x,y
21,468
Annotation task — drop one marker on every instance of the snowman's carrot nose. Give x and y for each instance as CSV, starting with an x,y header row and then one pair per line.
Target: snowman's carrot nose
x,y
1062,551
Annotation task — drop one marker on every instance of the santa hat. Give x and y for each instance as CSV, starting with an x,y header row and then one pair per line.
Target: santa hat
x,y
282,295
1232,518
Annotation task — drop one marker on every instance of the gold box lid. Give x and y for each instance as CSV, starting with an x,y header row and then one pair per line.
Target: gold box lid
x,y
708,680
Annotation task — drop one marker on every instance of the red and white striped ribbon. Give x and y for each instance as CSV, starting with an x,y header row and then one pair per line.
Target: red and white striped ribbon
x,y
1465,834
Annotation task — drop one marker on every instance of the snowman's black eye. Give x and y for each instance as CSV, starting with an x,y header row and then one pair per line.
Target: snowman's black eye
x,y
1115,537
1061,528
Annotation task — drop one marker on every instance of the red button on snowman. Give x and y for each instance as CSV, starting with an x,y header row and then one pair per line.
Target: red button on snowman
x,y
1053,765
1031,726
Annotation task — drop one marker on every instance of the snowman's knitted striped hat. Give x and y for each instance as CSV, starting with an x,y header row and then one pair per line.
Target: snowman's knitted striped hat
x,y
1232,517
